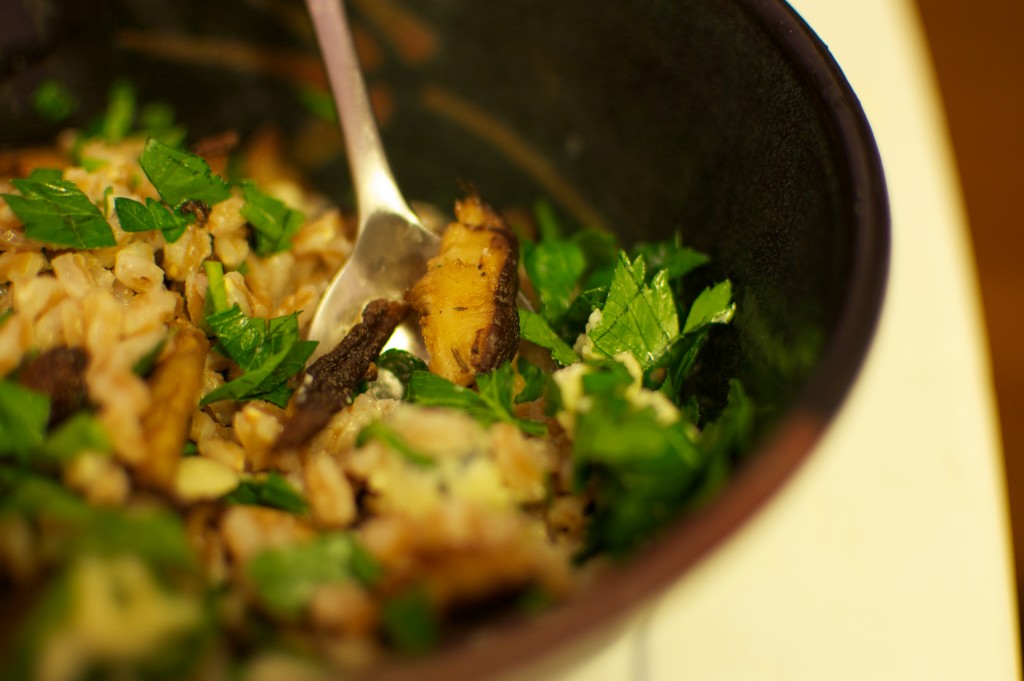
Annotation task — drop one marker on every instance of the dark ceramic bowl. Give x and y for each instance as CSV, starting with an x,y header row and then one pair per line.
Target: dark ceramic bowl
x,y
725,120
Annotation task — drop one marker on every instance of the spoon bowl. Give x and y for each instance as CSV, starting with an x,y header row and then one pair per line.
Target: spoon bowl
x,y
392,246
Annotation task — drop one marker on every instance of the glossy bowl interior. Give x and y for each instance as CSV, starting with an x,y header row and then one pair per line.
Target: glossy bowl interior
x,y
724,120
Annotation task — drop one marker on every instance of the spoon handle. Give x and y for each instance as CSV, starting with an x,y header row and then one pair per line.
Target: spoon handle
x,y
376,189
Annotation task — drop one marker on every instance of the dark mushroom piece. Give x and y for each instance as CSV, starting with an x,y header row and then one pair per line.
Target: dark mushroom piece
x,y
59,373
330,382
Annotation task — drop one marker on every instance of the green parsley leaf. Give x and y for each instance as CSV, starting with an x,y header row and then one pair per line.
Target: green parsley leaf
x,y
535,381
534,328
91,165
285,579
671,256
157,536
602,253
157,120
730,433
401,363
575,320
143,365
637,317
268,350
431,390
153,215
379,431
216,292
679,362
274,222
492,403
120,114
45,175
549,225
272,491
318,102
79,432
496,389
410,623
180,176
714,305
638,468
59,213
554,268
24,414
54,101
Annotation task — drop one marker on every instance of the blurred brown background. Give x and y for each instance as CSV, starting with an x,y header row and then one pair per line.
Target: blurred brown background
x,y
978,54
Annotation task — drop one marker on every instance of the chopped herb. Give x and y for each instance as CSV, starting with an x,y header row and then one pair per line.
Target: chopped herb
x,y
534,381
318,102
549,225
268,350
534,328
432,390
24,414
363,564
91,165
493,402
120,114
379,431
714,305
274,222
143,365
638,468
272,491
671,256
190,449
496,389
157,536
554,268
637,317
723,438
157,120
216,291
59,213
45,175
602,253
285,579
401,363
180,176
78,433
54,101
679,362
410,623
152,215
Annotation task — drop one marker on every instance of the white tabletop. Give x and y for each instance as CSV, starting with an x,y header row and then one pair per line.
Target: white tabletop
x,y
887,557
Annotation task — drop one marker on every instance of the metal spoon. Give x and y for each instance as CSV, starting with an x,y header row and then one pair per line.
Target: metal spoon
x,y
392,247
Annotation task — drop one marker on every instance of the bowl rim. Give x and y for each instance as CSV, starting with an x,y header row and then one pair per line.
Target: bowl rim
x,y
780,454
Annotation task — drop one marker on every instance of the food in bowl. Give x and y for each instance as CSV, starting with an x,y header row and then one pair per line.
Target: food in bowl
x,y
181,496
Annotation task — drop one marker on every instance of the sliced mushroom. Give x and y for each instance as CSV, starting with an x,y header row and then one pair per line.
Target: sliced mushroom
x,y
175,385
467,298
59,373
331,381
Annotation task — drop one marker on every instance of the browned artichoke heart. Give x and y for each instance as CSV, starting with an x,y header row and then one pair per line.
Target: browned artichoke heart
x,y
467,298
